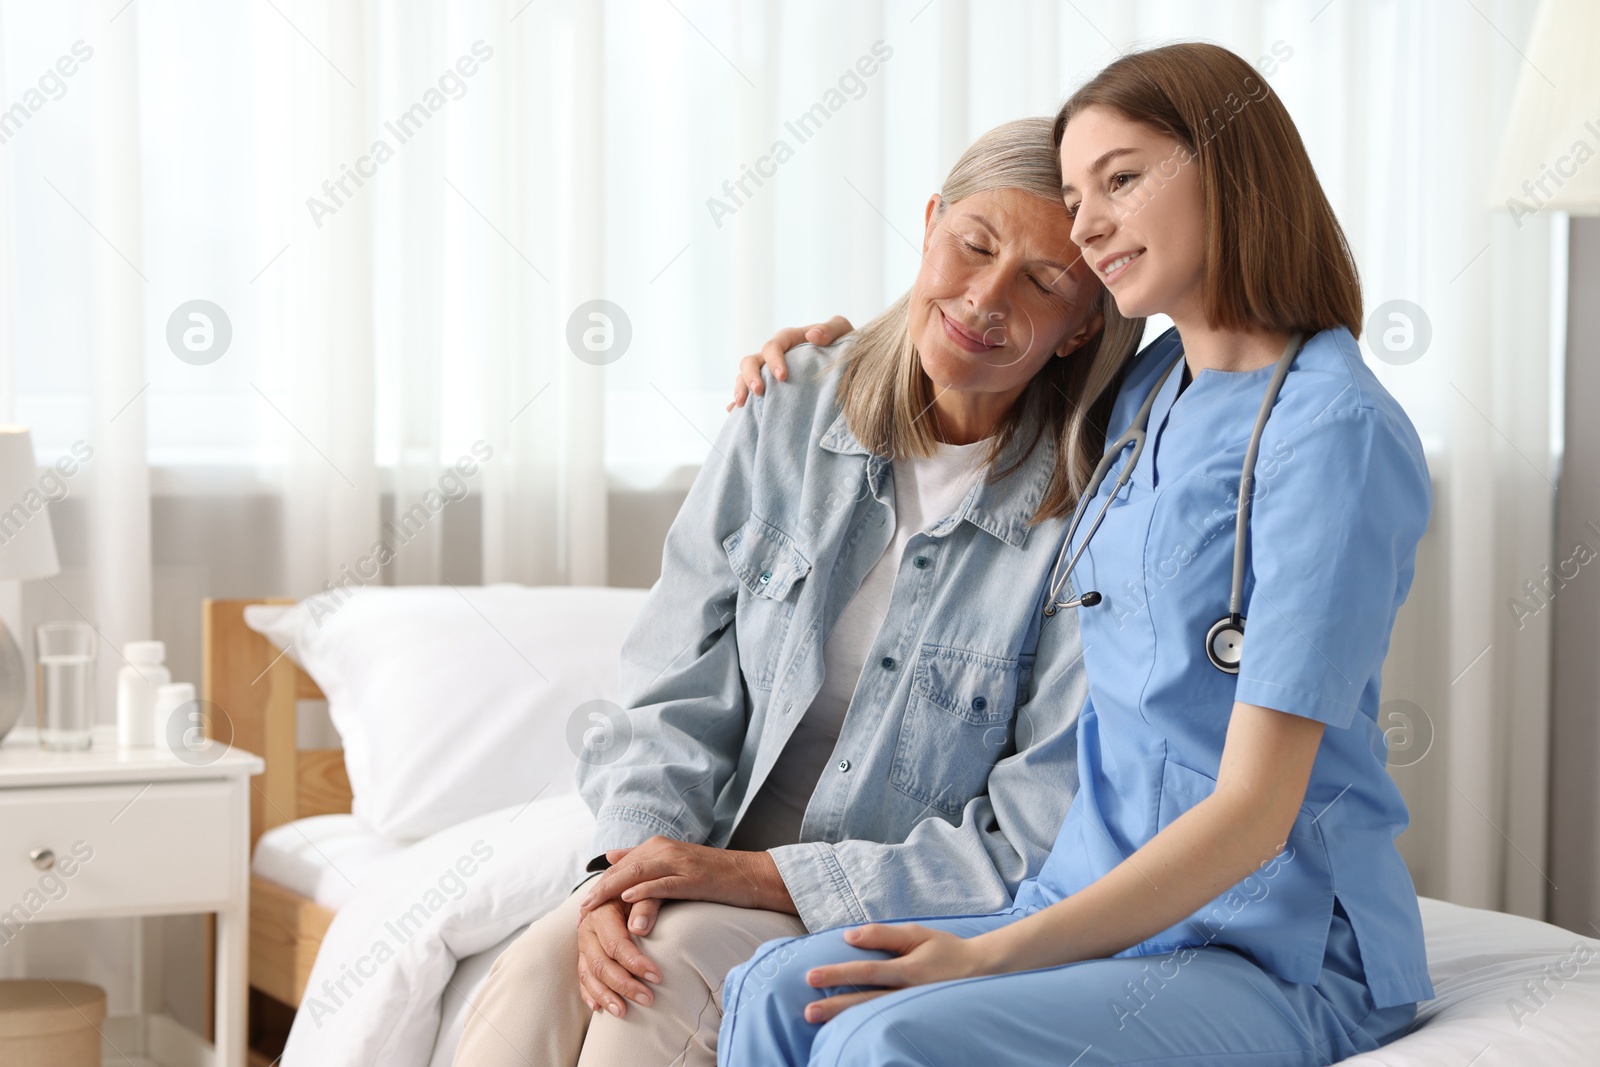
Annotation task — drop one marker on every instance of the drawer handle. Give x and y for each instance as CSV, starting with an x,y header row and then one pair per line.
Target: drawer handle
x,y
43,858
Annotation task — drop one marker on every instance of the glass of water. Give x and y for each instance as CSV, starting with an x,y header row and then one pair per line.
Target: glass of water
x,y
64,684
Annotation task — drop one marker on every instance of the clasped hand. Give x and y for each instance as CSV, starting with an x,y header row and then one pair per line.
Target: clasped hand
x,y
624,901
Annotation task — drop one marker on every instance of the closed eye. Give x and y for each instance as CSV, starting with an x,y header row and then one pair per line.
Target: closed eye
x,y
975,248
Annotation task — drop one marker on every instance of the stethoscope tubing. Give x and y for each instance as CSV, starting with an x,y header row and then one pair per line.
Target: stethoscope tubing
x,y
1247,477
1136,435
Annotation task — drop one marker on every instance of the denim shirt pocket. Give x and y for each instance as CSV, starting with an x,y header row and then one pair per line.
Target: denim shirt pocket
x,y
957,724
769,567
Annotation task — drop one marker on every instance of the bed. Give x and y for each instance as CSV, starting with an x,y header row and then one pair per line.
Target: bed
x,y
326,890
259,691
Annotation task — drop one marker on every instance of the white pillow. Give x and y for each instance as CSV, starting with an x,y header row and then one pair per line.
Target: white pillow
x,y
455,701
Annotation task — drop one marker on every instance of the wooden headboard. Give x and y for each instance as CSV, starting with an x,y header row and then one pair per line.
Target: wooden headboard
x,y
256,686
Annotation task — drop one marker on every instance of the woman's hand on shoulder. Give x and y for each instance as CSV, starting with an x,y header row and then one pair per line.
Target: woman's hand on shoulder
x,y
771,356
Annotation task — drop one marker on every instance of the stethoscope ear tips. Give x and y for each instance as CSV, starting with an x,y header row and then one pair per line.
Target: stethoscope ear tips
x,y
1089,599
1225,644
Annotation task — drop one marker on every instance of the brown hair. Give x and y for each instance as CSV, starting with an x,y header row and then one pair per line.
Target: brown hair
x,y
1275,255
885,394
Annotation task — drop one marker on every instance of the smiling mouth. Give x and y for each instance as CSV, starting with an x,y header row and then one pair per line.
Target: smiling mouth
x,y
1113,269
963,337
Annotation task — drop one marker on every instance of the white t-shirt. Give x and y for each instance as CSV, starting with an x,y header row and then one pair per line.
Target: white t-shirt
x,y
927,489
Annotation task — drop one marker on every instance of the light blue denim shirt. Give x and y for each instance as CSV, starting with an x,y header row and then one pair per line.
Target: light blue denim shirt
x,y
956,762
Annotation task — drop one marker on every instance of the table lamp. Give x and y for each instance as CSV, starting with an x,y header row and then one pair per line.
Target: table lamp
x,y
27,550
1547,155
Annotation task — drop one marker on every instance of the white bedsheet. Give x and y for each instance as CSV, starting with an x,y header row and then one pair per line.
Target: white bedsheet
x,y
324,857
1482,1013
408,1007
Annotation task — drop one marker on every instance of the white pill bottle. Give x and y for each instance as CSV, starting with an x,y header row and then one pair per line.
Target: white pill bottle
x,y
136,692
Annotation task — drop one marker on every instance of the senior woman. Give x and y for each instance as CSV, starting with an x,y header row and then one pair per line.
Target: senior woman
x,y
844,702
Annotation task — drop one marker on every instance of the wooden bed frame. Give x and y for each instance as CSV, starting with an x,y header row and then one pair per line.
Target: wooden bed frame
x,y
257,688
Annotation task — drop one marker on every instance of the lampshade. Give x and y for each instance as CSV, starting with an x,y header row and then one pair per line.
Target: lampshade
x,y
1550,154
27,547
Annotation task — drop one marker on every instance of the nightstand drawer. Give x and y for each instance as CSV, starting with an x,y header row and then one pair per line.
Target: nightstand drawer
x,y
163,846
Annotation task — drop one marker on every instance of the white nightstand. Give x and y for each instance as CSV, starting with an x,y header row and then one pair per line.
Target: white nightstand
x,y
134,832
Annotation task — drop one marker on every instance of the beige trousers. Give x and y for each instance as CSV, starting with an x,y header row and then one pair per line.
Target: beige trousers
x,y
530,1012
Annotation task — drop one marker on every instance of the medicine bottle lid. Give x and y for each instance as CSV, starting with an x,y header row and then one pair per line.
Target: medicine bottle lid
x,y
145,653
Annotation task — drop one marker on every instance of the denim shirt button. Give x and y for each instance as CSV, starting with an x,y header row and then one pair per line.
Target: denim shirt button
x,y
920,562
766,576
888,663
979,703
844,765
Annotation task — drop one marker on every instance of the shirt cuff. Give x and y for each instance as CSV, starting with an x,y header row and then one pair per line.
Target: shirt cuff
x,y
816,882
627,828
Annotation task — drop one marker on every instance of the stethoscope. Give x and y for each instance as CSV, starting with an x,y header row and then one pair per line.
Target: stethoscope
x,y
1225,639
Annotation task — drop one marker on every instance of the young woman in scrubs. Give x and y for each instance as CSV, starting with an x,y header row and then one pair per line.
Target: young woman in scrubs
x,y
1226,886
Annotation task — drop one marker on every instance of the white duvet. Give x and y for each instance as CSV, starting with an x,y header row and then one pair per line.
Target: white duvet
x,y
1510,991
391,952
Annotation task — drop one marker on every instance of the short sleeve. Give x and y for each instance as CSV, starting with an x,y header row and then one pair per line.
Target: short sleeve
x,y
1337,513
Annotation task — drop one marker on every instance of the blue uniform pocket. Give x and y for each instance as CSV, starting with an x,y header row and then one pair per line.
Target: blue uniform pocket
x,y
1277,915
771,570
956,725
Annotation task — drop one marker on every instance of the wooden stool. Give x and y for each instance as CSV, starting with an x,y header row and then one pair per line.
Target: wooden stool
x,y
50,1023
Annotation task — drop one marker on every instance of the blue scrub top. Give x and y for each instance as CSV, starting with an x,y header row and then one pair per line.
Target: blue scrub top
x,y
1341,499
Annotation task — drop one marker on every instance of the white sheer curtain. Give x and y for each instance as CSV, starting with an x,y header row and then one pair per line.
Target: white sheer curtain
x,y
119,596
428,303
710,169
538,243
316,361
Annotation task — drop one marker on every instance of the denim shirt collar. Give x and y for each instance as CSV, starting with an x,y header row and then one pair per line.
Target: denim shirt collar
x,y
998,507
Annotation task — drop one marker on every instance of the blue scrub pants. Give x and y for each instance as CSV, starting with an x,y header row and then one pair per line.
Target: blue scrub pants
x,y
1202,1006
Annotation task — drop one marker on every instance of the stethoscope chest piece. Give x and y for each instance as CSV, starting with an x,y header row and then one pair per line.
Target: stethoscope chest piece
x,y
1225,644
